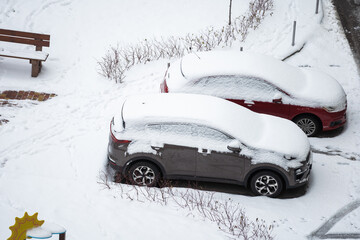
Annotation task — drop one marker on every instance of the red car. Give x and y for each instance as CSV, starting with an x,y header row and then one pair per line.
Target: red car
x,y
313,100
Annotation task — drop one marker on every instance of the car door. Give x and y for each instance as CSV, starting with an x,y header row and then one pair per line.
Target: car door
x,y
171,144
250,92
259,96
214,160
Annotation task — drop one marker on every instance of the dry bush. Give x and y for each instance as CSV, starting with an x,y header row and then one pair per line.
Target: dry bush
x,y
229,216
118,60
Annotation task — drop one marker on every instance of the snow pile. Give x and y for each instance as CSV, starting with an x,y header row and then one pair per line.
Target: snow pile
x,y
254,130
274,37
301,84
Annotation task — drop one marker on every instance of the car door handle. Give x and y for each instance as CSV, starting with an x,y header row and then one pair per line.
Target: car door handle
x,y
205,152
156,148
249,103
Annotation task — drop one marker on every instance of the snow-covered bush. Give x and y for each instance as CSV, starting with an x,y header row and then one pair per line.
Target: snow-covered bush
x,y
120,59
230,217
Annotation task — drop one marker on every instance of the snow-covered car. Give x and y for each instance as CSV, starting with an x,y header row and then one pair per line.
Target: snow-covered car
x,y
205,138
313,100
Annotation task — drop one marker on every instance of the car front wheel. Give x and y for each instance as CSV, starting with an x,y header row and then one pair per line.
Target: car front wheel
x,y
144,174
266,183
310,125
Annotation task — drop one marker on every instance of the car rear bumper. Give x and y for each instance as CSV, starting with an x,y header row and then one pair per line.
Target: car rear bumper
x,y
113,165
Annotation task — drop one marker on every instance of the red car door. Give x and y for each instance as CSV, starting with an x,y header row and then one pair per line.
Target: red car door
x,y
258,95
275,108
253,93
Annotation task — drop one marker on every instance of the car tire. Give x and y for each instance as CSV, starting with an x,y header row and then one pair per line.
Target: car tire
x,y
309,124
118,178
266,183
143,174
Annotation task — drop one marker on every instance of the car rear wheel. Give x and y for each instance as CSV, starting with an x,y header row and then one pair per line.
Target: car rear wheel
x,y
144,174
266,183
309,124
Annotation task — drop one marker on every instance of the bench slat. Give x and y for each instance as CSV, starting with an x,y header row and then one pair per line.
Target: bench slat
x,y
24,41
25,34
29,55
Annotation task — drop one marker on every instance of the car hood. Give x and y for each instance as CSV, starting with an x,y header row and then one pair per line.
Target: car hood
x,y
322,90
284,137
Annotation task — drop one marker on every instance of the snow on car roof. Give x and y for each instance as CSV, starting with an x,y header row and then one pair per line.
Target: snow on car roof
x,y
215,63
253,129
201,109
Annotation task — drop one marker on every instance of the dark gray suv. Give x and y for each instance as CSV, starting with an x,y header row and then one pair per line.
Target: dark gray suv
x,y
204,138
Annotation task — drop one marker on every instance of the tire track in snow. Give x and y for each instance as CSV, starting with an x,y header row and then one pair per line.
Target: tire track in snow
x,y
6,10
13,150
337,152
29,22
60,132
321,233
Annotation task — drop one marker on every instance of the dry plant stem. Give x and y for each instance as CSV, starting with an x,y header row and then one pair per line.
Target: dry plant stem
x,y
118,60
103,180
229,216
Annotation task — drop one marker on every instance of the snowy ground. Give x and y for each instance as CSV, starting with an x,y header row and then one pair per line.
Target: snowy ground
x,y
51,153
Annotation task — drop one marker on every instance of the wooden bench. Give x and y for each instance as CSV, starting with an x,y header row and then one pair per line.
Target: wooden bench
x,y
36,57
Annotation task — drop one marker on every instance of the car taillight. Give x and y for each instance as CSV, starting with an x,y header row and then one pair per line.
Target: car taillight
x,y
117,141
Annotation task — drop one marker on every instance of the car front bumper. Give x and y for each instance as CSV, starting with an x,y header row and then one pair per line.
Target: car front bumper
x,y
334,121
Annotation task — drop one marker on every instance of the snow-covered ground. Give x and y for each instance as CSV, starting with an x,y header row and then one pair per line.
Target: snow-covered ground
x,y
51,153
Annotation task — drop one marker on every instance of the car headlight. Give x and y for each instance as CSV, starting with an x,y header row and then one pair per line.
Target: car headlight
x,y
288,157
330,109
339,107
300,171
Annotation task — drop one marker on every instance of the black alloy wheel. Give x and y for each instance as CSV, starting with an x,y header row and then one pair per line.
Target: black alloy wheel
x,y
144,174
266,183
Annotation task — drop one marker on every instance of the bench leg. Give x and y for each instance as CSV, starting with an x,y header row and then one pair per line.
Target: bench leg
x,y
35,69
62,236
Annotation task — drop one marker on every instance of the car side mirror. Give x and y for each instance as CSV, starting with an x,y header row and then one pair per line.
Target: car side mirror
x,y
234,146
277,100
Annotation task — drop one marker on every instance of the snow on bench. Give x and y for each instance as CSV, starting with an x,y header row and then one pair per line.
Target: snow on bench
x,y
24,54
46,231
36,57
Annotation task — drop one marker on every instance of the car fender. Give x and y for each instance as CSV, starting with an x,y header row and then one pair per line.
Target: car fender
x,y
265,168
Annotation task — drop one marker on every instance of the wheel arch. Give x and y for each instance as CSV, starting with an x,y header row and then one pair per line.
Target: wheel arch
x,y
254,171
309,115
144,159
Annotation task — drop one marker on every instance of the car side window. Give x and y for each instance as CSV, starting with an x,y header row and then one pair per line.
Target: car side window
x,y
210,133
255,89
190,135
171,133
234,87
210,85
211,139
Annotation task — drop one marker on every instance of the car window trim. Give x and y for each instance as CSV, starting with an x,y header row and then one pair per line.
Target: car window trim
x,y
122,114
235,75
186,123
